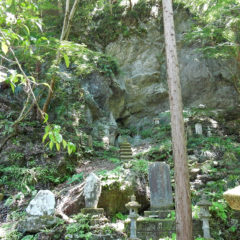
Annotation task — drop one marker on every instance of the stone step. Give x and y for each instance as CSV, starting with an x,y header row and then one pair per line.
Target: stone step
x,y
125,148
125,145
125,152
126,155
126,158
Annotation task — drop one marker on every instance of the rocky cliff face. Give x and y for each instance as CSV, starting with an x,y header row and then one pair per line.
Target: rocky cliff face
x,y
140,91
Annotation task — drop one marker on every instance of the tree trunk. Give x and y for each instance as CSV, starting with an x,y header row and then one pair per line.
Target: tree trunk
x,y
182,188
64,36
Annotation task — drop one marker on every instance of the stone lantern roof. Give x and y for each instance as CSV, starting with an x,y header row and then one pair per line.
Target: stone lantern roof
x,y
133,204
204,202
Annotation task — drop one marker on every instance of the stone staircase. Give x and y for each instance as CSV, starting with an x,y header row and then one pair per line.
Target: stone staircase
x,y
125,151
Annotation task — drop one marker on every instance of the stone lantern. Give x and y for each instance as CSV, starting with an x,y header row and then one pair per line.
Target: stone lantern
x,y
204,215
133,215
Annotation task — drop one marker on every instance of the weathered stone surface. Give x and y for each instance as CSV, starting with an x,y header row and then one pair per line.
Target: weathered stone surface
x,y
117,192
34,224
232,196
142,60
92,191
42,204
160,186
71,200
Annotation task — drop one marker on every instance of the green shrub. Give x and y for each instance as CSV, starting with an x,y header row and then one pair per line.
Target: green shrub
x,y
80,229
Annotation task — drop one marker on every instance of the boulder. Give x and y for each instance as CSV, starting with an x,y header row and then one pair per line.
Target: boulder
x,y
42,204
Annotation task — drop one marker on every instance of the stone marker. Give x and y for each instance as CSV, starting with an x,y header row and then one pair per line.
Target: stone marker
x,y
209,133
92,191
198,129
232,196
156,121
42,204
160,186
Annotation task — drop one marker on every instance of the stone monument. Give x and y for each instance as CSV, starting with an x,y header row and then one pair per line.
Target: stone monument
x,y
198,129
155,224
92,192
161,200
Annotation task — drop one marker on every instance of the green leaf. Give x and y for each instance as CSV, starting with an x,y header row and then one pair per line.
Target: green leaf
x,y
44,137
66,59
46,84
58,137
45,118
64,144
71,147
4,48
58,146
12,87
51,136
51,145
27,29
47,128
69,150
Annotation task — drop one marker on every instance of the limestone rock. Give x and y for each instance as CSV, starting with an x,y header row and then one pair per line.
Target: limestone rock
x,y
42,204
92,191
142,58
232,196
34,224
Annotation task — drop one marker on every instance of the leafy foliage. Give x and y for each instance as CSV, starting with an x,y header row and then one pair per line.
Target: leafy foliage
x,y
80,229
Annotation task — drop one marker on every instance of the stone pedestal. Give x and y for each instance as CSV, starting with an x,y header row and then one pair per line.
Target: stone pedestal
x,y
154,228
161,214
96,214
125,151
